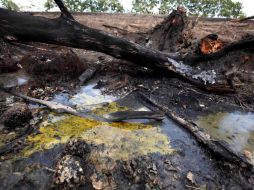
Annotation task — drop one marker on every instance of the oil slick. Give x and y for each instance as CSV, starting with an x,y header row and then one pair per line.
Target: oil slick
x,y
237,129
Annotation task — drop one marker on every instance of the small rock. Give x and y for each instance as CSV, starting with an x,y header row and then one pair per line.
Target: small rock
x,y
16,116
97,185
248,154
9,100
191,177
69,173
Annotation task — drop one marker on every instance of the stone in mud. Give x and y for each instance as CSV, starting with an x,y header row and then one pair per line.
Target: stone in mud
x,y
69,174
16,116
78,147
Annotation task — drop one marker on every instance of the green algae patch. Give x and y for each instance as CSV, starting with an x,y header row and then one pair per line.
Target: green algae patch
x,y
237,129
122,140
109,108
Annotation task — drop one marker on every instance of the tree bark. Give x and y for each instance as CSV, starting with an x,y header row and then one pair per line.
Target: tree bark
x,y
66,31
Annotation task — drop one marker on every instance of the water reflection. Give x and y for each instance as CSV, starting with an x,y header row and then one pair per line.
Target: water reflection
x,y
14,79
88,95
237,129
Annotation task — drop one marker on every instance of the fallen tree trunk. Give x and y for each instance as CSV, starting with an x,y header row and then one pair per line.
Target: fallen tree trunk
x,y
67,32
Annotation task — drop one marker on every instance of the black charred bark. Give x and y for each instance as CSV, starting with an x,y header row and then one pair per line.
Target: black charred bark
x,y
66,31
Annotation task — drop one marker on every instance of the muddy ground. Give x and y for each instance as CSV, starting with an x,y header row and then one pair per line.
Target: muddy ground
x,y
175,160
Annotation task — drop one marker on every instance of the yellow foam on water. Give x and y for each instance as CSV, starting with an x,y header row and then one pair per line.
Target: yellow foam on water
x,y
122,140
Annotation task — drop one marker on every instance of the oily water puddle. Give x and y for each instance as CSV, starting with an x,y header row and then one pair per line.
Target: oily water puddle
x,y
121,140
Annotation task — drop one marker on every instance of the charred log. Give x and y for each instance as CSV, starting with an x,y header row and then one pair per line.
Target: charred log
x,y
243,44
67,32
169,31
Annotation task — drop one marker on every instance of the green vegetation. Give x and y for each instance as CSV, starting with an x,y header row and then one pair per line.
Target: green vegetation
x,y
89,5
208,8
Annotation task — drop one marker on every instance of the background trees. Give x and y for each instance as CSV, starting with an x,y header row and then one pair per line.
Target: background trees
x,y
207,8
89,5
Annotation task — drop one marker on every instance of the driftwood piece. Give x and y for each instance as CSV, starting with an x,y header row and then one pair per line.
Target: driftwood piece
x,y
9,147
218,148
67,32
